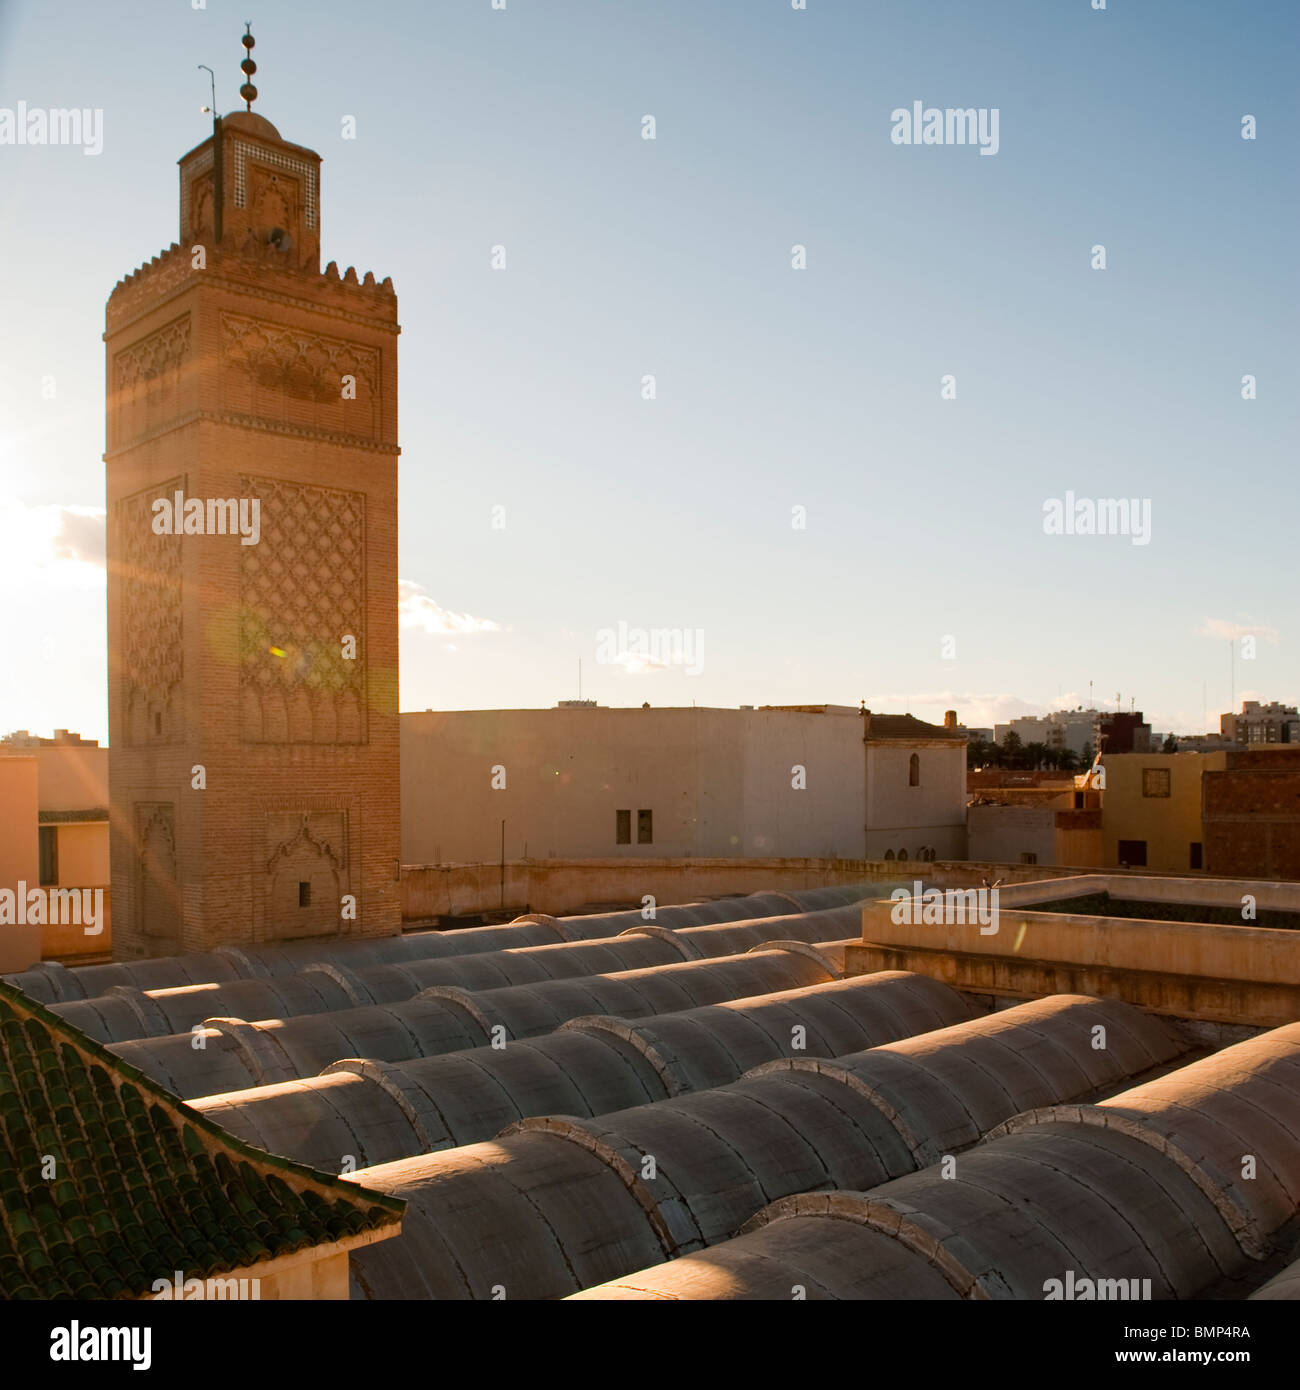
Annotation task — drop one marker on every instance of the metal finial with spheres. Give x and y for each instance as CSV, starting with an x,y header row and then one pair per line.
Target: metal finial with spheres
x,y
248,67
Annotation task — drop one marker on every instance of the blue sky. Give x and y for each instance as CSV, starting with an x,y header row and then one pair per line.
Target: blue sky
x,y
776,388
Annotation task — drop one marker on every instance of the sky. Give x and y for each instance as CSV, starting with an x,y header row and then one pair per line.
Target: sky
x,y
806,511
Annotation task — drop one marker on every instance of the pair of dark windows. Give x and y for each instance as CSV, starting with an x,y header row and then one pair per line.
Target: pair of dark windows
x,y
645,827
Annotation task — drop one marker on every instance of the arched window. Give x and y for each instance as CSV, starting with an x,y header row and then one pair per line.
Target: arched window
x,y
902,854
914,770
889,854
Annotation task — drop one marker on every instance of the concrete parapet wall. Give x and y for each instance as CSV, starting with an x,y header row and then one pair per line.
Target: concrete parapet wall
x,y
562,885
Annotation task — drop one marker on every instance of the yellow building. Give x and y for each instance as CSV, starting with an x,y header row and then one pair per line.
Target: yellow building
x,y
1151,810
64,807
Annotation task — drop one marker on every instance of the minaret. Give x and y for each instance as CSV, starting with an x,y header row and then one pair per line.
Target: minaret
x,y
252,552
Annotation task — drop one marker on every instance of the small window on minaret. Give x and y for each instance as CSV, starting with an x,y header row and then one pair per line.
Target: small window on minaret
x,y
157,723
304,895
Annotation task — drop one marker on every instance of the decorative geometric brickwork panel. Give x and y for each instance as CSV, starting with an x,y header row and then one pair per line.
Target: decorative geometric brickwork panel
x,y
149,649
146,380
302,593
299,378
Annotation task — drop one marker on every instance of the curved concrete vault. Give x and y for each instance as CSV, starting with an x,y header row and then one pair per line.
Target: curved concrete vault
x,y
557,1204
1150,1184
123,1014
375,1112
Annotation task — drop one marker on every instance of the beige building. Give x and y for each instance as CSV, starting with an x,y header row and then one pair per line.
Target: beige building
x,y
1261,724
1051,828
20,942
67,804
1151,810
595,782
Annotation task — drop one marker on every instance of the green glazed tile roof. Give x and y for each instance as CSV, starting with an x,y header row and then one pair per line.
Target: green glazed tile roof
x,y
140,1185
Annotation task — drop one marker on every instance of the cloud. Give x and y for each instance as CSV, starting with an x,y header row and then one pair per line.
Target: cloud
x,y
59,547
635,664
415,608
1219,627
975,709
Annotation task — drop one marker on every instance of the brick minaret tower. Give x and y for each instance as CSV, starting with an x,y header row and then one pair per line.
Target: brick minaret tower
x,y
253,762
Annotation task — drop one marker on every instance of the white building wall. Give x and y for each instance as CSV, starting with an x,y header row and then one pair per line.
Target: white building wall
x,y
823,818
931,815
720,784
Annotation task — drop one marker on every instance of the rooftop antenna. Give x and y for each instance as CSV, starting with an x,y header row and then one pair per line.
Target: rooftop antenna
x,y
579,679
248,67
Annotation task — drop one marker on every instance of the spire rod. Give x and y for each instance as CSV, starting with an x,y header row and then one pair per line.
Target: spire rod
x,y
248,67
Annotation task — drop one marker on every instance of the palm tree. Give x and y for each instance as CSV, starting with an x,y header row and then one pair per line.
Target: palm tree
x,y
1034,755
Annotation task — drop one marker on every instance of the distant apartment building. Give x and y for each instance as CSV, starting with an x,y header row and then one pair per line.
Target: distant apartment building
x,y
594,782
1200,743
1251,814
60,803
1081,730
1260,725
1122,732
1151,810
1072,729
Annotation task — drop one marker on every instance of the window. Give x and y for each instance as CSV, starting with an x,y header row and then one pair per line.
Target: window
x,y
1027,857
645,827
1196,856
49,847
304,894
889,854
623,827
1132,854
902,855
157,723
1155,781
914,770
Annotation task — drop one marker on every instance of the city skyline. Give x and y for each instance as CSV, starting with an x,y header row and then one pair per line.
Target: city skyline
x,y
776,388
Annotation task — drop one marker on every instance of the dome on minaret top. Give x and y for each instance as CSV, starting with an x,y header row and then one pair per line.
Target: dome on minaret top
x,y
253,124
